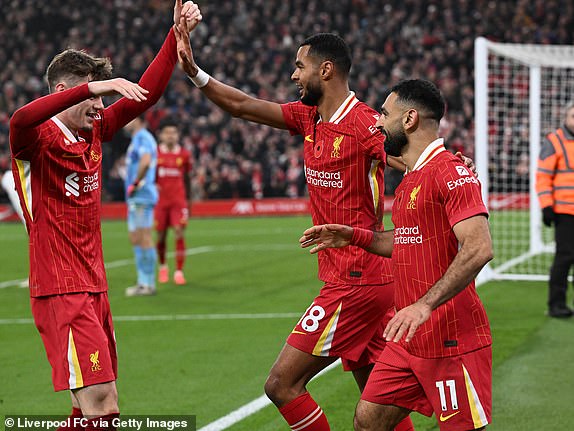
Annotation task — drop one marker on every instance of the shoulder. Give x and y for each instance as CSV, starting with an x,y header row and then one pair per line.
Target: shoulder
x,y
298,109
449,172
363,118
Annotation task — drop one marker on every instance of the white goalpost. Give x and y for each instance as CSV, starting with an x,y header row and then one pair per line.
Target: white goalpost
x,y
520,94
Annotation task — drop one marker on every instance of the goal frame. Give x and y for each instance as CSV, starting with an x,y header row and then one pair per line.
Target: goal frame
x,y
534,57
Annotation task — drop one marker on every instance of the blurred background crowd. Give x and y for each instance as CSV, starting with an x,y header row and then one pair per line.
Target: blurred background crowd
x,y
252,45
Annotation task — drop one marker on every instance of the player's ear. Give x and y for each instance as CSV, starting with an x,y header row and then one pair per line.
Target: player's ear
x,y
326,70
410,119
60,86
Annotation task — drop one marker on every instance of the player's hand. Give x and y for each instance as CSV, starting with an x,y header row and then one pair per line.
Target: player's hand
x,y
184,52
108,87
326,236
407,321
134,187
468,162
548,215
191,14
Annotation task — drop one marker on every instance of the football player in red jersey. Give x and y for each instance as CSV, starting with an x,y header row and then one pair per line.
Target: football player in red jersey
x,y
344,163
438,353
173,168
56,148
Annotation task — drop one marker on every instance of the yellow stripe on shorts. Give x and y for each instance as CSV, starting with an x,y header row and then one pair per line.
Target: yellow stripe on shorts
x,y
324,344
76,379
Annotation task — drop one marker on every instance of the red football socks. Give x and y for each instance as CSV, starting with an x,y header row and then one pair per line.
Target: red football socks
x,y
303,414
179,253
161,252
73,421
405,425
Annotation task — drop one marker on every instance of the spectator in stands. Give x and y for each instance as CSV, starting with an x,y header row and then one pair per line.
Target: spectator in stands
x,y
390,40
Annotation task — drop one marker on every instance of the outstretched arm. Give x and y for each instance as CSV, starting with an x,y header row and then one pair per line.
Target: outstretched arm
x,y
28,117
475,251
337,236
230,99
154,79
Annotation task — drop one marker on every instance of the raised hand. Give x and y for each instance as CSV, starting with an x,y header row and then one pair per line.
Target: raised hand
x,y
130,90
184,53
326,236
191,14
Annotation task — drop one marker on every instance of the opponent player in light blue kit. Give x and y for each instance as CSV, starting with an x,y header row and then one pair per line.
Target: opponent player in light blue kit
x,y
141,197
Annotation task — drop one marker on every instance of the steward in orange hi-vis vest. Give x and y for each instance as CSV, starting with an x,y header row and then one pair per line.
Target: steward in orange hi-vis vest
x,y
555,188
555,175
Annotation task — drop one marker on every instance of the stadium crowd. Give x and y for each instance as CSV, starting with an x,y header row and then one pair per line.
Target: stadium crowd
x,y
252,45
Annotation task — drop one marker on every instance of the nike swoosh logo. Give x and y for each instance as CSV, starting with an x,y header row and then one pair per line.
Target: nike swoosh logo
x,y
308,138
446,418
71,155
297,332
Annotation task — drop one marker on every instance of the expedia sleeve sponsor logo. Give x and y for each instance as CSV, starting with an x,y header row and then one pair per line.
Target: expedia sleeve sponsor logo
x,y
459,182
324,178
408,235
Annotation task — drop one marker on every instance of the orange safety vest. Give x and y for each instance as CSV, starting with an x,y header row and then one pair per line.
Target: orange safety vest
x,y
555,173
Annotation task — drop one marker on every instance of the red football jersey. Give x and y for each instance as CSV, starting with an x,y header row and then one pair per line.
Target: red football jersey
x,y
58,178
436,195
172,167
344,164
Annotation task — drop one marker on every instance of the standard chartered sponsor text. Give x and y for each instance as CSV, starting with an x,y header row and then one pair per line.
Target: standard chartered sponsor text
x,y
408,235
324,178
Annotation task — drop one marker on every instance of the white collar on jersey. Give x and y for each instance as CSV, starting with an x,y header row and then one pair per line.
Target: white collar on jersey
x,y
344,109
67,132
429,153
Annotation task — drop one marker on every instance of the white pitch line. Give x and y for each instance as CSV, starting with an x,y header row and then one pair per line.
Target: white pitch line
x,y
252,407
176,317
188,252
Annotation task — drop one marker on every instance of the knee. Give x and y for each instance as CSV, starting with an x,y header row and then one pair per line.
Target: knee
x,y
360,421
279,391
367,419
107,401
98,400
273,387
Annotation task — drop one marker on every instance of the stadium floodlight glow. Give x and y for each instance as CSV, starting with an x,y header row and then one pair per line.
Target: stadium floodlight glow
x,y
521,91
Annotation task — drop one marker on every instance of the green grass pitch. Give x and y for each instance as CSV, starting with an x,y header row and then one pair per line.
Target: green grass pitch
x,y
213,362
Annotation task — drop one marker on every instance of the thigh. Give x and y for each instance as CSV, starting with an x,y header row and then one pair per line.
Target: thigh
x,y
393,382
564,234
178,215
294,367
140,216
379,417
79,340
342,322
161,215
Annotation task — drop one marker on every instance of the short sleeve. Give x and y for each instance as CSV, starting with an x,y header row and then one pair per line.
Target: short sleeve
x,y
297,116
460,192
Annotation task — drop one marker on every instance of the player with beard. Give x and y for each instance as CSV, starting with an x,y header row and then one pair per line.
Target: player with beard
x,y
438,353
343,153
344,163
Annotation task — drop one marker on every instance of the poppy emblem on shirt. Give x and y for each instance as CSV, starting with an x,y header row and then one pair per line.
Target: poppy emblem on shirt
x,y
94,359
335,154
318,149
413,198
95,156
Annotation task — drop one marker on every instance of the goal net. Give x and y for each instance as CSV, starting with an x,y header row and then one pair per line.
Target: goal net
x,y
520,95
